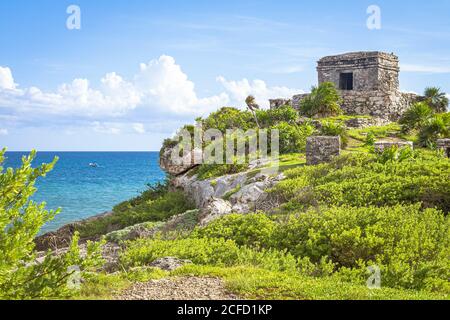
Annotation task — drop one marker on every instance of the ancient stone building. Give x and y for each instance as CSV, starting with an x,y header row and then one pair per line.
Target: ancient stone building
x,y
367,81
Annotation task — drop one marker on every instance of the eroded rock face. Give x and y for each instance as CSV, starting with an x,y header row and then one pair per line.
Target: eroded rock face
x,y
215,209
175,165
239,193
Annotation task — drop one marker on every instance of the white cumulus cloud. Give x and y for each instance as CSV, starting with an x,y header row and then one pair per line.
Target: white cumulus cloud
x,y
3,132
6,79
241,89
158,90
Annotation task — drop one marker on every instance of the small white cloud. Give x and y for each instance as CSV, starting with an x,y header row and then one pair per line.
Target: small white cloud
x,y
6,79
3,132
139,128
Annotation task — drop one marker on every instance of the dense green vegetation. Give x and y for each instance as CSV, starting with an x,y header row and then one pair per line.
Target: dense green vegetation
x,y
20,221
364,179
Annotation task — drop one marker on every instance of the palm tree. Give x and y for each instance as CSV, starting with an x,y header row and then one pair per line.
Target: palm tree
x,y
252,106
436,99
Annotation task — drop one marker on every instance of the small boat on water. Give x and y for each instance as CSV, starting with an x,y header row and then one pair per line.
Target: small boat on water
x,y
93,165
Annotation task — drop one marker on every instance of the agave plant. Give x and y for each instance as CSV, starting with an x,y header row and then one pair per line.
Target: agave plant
x,y
436,99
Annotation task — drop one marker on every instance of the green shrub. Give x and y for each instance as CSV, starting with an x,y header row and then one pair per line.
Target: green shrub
x,y
361,180
204,251
229,118
330,128
20,221
416,117
252,230
395,154
293,136
208,171
269,118
153,205
411,246
324,101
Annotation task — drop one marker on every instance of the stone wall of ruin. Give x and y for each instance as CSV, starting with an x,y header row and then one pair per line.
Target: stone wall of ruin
x,y
389,106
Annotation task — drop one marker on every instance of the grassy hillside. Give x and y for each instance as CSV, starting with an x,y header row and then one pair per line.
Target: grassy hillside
x,y
333,221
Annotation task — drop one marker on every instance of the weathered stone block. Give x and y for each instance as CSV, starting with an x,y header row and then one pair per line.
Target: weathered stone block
x,y
321,149
380,146
444,144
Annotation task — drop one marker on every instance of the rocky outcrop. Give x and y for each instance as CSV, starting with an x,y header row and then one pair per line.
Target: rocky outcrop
x,y
239,193
174,165
215,209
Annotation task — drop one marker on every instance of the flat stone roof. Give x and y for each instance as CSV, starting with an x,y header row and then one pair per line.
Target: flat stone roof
x,y
359,55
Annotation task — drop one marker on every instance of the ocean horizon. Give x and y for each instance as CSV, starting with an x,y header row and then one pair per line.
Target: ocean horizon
x,y
87,183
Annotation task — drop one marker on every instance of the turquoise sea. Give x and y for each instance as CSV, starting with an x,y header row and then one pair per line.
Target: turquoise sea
x,y
82,191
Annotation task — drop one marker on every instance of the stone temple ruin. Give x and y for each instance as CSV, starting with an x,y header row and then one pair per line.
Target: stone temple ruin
x,y
367,81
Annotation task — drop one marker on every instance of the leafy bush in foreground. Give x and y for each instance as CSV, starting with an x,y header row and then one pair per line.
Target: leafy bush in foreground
x,y
21,277
253,230
411,246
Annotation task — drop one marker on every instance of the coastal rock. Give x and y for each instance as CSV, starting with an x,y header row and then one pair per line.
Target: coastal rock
x,y
178,165
241,192
169,263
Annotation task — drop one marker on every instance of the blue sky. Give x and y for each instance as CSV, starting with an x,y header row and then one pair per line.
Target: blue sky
x,y
137,70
